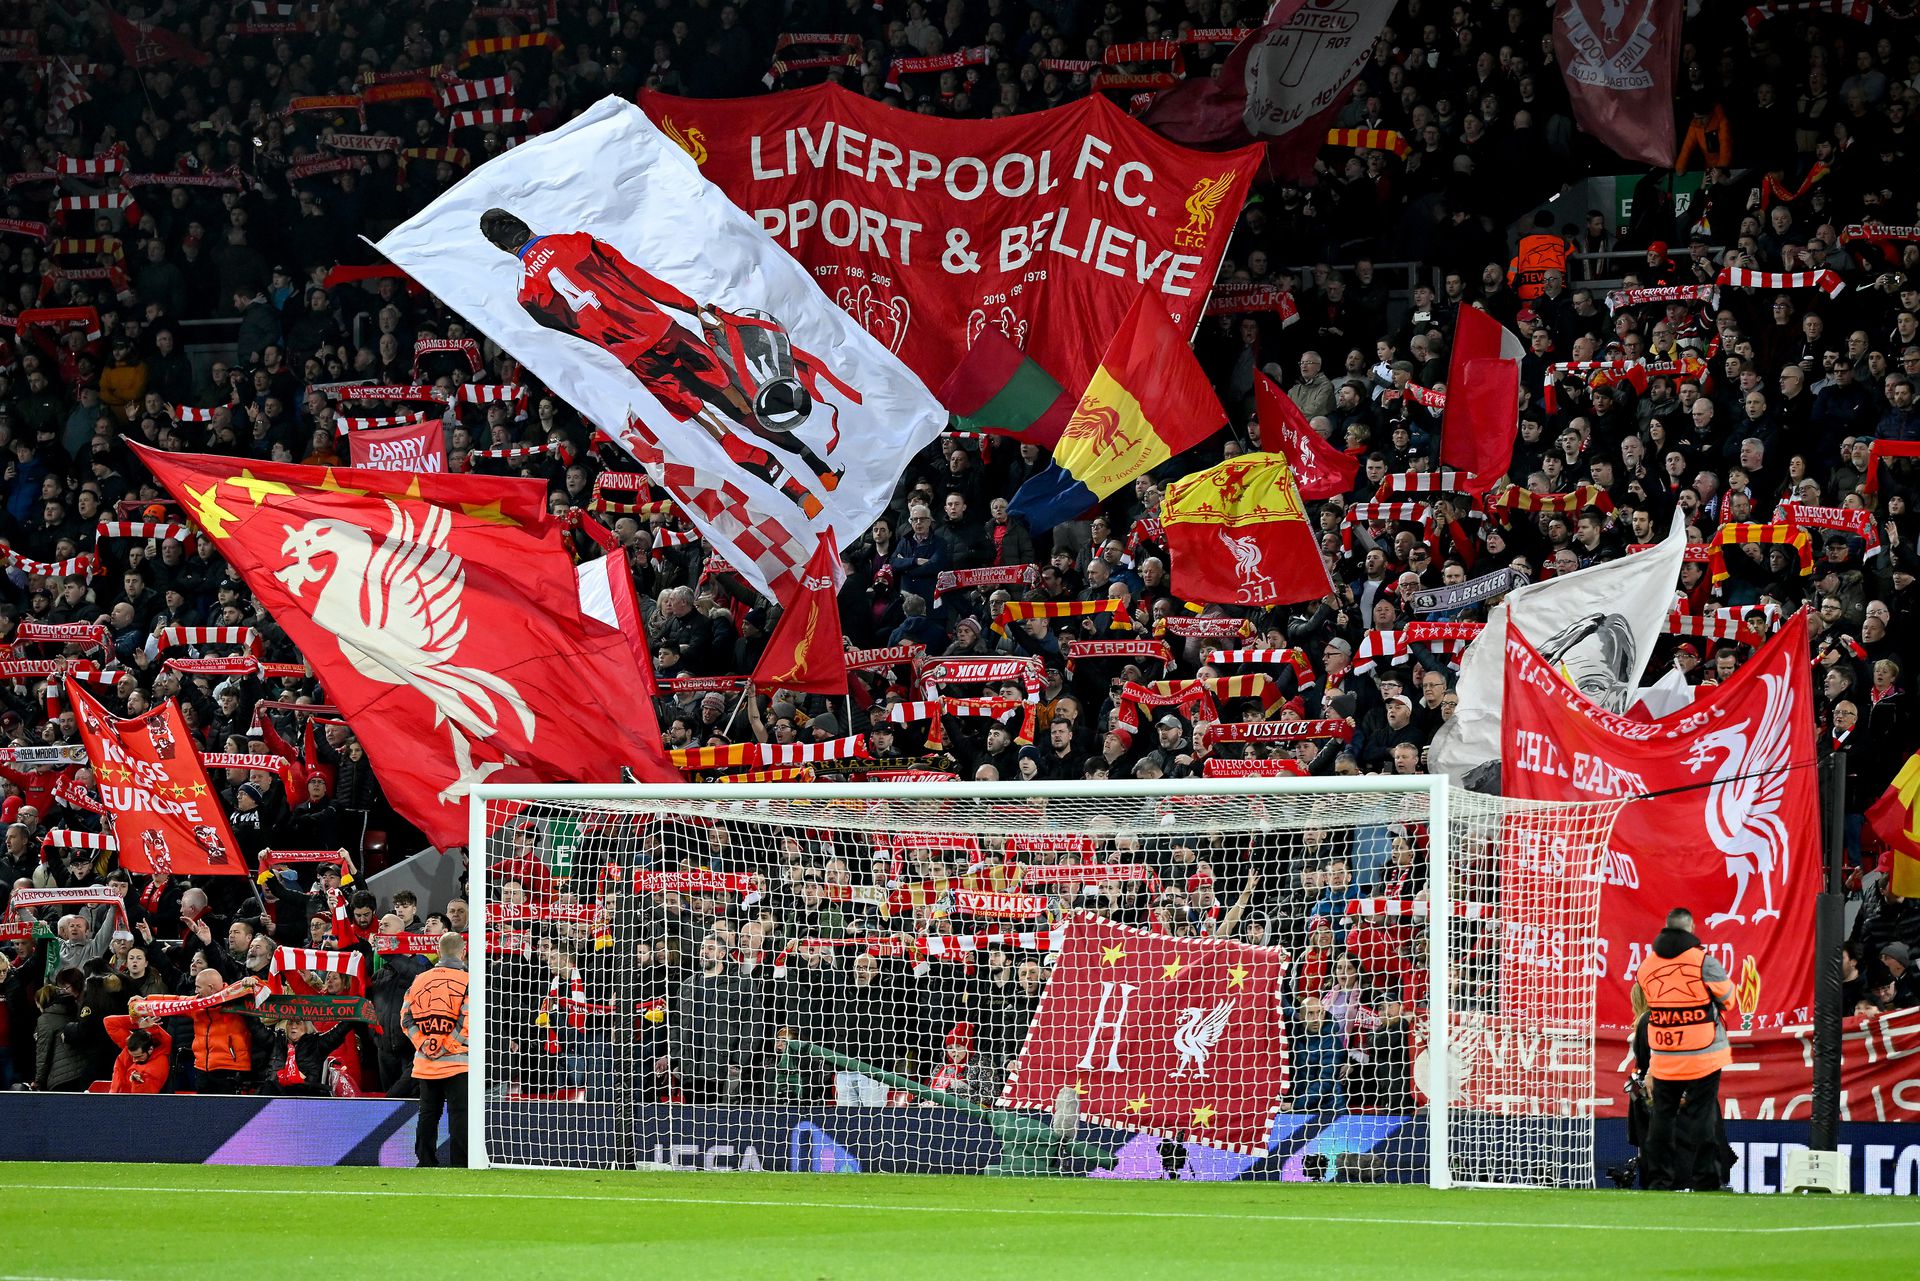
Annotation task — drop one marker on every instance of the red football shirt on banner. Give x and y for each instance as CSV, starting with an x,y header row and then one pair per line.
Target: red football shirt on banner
x,y
1180,1037
1739,846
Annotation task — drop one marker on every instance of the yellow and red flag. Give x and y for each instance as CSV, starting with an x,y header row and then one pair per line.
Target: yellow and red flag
x,y
1894,821
1148,401
1238,535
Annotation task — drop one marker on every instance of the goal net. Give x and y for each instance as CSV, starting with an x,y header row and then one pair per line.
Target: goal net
x,y
1365,979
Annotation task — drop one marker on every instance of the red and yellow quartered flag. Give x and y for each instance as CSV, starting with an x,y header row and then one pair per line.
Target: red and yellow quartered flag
x,y
1238,535
1894,821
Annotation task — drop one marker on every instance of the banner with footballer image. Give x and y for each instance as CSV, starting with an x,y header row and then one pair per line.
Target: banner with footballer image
x,y
607,265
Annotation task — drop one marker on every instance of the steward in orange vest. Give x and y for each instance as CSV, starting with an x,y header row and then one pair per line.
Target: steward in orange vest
x,y
1539,252
435,1020
1686,990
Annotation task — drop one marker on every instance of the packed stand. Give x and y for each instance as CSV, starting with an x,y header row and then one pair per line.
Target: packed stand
x,y
256,182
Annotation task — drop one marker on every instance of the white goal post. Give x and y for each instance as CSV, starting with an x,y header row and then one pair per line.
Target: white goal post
x,y
1364,978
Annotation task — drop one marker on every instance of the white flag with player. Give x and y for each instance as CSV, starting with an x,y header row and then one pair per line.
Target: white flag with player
x,y
601,259
1597,626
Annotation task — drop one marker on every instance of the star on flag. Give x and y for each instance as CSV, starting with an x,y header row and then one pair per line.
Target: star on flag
x,y
1137,1105
1112,955
1203,1115
1237,976
1172,968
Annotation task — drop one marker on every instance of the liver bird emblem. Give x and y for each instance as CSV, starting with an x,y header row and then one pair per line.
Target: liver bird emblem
x,y
1199,1031
1247,567
1099,425
1203,206
1749,790
690,140
394,610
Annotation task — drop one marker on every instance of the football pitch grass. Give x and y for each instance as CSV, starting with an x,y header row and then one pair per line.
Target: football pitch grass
x,y
88,1222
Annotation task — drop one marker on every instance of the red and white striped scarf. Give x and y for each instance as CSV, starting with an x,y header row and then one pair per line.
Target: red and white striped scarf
x,y
492,394
769,755
115,161
196,413
85,565
488,118
343,424
455,92
515,452
951,946
168,637
1362,513
1444,481
1416,908
289,962
1448,638
76,204
1825,280
142,529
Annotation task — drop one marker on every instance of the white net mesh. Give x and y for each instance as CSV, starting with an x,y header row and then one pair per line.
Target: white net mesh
x,y
1132,984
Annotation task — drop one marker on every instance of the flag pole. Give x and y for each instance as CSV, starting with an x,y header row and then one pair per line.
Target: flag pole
x,y
1829,933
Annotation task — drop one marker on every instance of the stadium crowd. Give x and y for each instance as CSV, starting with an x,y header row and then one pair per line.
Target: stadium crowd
x,y
251,237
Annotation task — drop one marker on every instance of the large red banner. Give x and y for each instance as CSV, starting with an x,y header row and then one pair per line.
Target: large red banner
x,y
166,815
1771,1078
1180,1037
1772,1074
416,447
1730,830
1043,225
1620,61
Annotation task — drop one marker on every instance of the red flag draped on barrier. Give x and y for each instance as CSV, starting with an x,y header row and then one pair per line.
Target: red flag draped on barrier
x,y
1620,74
443,616
1739,845
166,815
1180,1037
